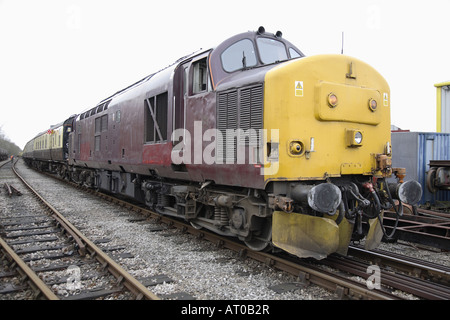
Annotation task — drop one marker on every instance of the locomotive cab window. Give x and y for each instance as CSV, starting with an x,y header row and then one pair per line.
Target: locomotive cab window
x,y
271,50
239,56
294,54
199,76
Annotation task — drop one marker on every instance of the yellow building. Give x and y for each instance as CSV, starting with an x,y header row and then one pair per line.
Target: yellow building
x,y
443,107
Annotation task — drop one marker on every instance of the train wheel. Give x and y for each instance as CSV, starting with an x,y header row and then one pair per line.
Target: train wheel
x,y
431,176
261,241
259,244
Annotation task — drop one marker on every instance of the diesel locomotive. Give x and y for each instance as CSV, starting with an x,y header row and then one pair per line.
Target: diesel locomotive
x,y
250,139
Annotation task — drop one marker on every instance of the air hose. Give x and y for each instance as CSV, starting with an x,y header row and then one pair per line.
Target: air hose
x,y
398,214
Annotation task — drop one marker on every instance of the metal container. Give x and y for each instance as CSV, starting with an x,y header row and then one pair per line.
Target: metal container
x,y
413,151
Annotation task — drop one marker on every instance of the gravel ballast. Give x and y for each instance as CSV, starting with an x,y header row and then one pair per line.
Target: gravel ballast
x,y
198,269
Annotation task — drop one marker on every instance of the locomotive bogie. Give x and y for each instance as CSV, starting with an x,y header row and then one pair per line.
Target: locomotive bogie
x,y
227,212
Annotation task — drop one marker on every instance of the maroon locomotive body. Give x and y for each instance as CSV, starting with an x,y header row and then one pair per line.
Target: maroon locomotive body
x,y
131,131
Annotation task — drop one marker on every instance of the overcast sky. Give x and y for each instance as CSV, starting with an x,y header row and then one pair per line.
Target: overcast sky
x,y
60,57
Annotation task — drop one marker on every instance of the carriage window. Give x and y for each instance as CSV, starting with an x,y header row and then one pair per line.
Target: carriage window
x,y
200,80
271,50
239,55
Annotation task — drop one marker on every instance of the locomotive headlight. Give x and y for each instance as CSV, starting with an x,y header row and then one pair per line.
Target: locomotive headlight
x,y
354,137
358,137
373,104
332,100
296,148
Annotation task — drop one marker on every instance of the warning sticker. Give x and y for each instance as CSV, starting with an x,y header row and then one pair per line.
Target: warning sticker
x,y
299,88
385,99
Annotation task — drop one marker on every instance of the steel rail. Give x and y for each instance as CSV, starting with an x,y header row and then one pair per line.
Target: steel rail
x,y
33,279
333,282
2,163
137,288
8,189
413,285
420,268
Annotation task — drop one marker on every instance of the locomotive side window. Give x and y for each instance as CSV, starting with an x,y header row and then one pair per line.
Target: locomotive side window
x,y
116,116
156,118
238,56
180,90
200,77
149,122
271,50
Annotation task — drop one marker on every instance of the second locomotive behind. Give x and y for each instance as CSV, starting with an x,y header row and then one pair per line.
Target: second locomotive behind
x,y
250,139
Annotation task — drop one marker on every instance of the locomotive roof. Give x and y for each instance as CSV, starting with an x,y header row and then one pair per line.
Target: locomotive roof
x,y
263,46
145,79
251,35
217,69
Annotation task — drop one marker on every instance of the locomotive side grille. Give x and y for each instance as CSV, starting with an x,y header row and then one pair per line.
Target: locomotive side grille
x,y
251,113
239,109
227,106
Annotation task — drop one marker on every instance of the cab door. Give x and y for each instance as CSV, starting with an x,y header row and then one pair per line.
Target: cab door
x,y
179,92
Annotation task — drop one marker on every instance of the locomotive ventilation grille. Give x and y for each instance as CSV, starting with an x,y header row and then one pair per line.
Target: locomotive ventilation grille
x,y
239,109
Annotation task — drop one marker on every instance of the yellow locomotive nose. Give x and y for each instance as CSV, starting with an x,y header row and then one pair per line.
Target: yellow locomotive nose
x,y
331,124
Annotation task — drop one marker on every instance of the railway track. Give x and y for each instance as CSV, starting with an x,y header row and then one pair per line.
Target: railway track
x,y
307,273
417,277
426,270
35,242
435,285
